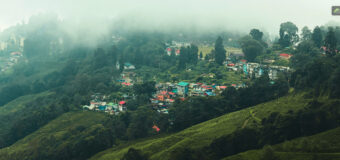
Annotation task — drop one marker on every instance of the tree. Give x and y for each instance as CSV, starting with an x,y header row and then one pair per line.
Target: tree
x,y
219,51
251,48
306,34
256,34
288,34
188,56
305,52
330,42
334,82
201,55
100,58
145,88
317,36
307,47
141,122
193,51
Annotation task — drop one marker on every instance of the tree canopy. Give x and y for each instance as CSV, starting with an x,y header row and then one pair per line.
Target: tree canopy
x,y
220,52
306,34
256,34
251,48
317,36
330,42
288,34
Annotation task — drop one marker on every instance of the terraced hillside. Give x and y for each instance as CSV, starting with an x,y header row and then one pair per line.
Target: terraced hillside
x,y
202,136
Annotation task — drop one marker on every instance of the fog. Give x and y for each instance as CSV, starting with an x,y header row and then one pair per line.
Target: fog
x,y
174,14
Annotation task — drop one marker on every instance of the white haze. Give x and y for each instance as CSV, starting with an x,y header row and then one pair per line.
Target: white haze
x,y
237,15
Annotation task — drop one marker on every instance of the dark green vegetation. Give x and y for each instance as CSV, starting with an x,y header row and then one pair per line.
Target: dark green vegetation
x,y
63,138
219,51
41,115
319,146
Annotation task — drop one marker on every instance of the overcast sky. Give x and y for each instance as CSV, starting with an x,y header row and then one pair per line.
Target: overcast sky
x,y
239,15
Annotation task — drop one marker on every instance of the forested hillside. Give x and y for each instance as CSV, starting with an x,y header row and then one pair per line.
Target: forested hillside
x,y
154,95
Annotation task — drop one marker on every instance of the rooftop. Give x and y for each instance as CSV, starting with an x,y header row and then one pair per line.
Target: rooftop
x,y
183,84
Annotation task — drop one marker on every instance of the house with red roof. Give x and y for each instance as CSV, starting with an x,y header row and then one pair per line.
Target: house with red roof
x,y
126,84
221,87
168,51
160,97
122,106
156,128
178,51
285,55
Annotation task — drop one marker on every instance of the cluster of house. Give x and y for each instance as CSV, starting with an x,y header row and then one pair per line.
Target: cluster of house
x,y
98,103
9,62
126,78
168,92
255,70
173,48
126,66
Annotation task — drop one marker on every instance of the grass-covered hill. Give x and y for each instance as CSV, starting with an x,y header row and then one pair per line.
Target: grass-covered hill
x,y
13,111
324,146
73,134
250,128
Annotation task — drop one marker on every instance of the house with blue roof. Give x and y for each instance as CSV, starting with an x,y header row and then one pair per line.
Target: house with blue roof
x,y
182,88
102,108
128,66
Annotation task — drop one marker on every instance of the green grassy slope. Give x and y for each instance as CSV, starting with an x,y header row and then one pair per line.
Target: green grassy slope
x,y
325,146
14,109
63,138
203,134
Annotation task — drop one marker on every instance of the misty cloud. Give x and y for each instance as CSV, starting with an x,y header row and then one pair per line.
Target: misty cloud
x,y
168,14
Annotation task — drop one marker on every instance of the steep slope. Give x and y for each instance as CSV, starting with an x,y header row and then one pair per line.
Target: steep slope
x,y
74,134
14,110
203,135
325,146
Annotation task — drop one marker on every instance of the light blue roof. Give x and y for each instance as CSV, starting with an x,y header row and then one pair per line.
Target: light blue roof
x,y
183,84
102,108
127,64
